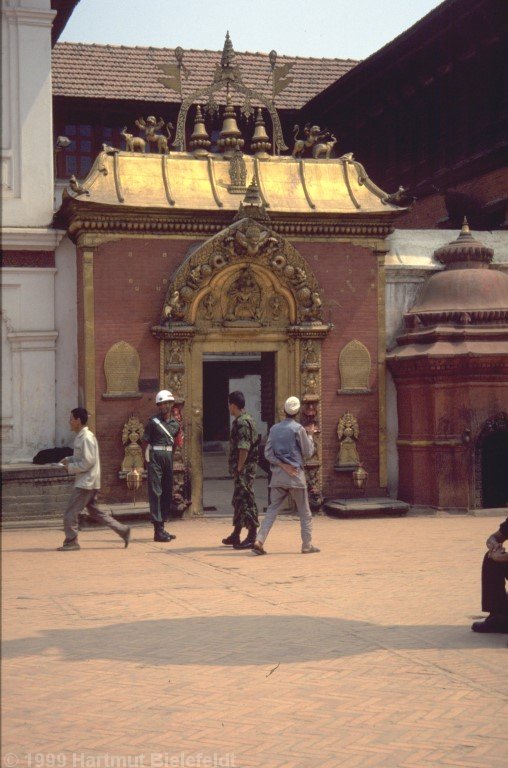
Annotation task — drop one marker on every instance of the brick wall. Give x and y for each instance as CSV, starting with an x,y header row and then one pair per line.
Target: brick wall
x,y
130,283
348,276
42,259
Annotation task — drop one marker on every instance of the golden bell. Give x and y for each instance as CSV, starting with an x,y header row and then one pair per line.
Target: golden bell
x,y
260,143
133,479
360,477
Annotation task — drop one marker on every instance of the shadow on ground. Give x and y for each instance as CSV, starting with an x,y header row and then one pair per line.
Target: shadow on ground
x,y
240,640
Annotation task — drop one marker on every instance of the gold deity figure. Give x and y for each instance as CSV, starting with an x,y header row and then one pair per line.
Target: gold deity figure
x,y
131,436
348,432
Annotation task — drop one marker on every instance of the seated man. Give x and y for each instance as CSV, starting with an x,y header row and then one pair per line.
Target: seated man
x,y
494,575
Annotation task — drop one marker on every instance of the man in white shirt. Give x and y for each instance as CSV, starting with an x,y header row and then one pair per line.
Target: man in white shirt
x,y
85,464
288,447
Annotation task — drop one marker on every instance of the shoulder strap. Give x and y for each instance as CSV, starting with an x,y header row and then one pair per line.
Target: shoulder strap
x,y
161,426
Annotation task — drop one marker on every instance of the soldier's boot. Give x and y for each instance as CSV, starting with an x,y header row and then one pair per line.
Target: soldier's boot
x,y
234,538
248,542
159,534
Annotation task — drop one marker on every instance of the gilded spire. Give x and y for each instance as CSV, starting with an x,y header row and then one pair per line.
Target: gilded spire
x,y
252,196
228,54
252,206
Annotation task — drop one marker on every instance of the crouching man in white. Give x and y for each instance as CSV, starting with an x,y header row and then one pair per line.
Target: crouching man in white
x,y
288,447
85,464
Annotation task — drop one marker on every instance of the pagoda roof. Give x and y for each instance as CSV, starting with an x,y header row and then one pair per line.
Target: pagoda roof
x,y
181,182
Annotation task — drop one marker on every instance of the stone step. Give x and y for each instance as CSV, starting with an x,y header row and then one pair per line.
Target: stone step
x,y
365,507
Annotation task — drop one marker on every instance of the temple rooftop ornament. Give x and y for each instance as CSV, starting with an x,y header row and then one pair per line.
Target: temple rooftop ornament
x,y
227,75
462,311
466,291
167,189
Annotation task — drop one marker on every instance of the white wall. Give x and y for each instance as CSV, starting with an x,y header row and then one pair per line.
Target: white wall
x,y
27,142
28,362
250,385
39,368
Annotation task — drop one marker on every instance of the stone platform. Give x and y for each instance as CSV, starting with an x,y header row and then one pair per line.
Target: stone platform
x,y
365,507
31,492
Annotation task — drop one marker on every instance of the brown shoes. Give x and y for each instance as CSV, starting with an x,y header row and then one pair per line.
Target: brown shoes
x,y
257,548
309,549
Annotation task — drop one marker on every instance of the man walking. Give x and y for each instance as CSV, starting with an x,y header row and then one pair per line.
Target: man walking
x,y
158,440
85,464
243,448
288,446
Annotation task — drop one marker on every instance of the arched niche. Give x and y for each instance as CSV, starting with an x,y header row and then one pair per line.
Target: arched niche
x,y
121,369
354,368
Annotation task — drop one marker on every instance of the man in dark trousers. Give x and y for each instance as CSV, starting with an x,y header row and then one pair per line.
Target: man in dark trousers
x,y
158,440
86,466
494,576
243,454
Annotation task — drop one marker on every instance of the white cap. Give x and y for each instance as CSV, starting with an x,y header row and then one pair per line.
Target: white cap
x,y
164,396
292,405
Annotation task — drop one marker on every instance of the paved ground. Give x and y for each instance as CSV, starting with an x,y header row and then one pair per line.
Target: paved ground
x,y
192,655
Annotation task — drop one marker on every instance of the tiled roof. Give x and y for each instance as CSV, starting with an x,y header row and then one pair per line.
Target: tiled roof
x,y
119,72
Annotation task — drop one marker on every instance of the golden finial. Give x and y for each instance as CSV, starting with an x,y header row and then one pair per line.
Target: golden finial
x,y
465,227
230,138
199,141
260,143
228,53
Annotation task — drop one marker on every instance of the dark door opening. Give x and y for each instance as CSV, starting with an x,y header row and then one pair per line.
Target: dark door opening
x,y
495,470
253,374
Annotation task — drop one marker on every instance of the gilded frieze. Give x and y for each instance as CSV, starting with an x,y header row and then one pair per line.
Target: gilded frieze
x,y
245,244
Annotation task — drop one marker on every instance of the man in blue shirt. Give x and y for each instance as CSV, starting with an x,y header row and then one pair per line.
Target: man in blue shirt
x,y
288,447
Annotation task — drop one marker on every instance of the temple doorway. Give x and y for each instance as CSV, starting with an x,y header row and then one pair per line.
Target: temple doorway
x,y
494,470
253,373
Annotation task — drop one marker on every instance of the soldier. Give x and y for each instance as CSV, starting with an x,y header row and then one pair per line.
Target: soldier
x,y
243,450
158,440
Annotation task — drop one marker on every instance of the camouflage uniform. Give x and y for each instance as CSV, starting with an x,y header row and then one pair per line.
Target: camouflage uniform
x,y
243,435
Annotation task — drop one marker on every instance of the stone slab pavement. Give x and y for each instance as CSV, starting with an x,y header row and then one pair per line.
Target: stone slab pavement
x,y
190,654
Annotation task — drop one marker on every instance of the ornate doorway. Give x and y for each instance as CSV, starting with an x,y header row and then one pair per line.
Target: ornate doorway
x,y
245,290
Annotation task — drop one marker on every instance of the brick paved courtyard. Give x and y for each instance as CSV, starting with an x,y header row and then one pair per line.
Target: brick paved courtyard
x,y
190,654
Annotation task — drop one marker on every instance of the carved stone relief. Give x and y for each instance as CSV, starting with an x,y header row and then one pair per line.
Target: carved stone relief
x,y
121,368
241,299
354,367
